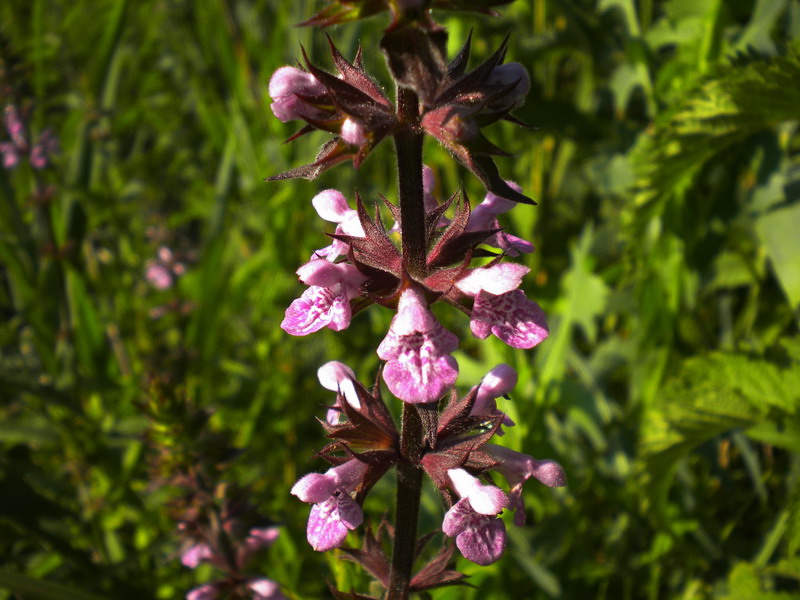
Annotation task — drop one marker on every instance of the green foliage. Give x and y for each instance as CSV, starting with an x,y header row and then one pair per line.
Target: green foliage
x,y
665,164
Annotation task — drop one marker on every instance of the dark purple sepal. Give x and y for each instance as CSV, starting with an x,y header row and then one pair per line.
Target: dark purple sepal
x,y
368,427
330,153
371,557
375,249
351,595
353,101
355,75
438,572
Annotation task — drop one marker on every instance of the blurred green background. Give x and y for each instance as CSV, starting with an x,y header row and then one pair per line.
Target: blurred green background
x,y
665,159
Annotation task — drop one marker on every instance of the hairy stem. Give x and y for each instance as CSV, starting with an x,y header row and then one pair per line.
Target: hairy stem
x,y
409,485
408,143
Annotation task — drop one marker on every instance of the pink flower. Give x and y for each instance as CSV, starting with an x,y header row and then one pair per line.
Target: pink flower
x,y
519,322
484,216
338,377
484,499
258,538
332,206
517,468
480,535
497,382
162,272
327,302
291,89
417,348
510,74
265,589
497,279
208,591
13,151
334,512
195,554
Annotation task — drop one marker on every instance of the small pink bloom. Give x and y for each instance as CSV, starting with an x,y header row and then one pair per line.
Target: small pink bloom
x,y
158,275
317,487
517,468
497,279
480,535
258,538
338,377
287,88
265,589
10,155
513,318
417,349
45,147
484,499
507,75
484,216
332,206
195,554
327,302
15,126
497,382
208,591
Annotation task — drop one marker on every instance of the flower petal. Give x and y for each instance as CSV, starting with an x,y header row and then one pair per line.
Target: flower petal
x,y
329,522
318,307
315,487
497,279
331,205
513,318
484,543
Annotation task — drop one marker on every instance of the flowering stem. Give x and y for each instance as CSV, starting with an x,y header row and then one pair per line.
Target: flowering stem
x,y
408,143
409,485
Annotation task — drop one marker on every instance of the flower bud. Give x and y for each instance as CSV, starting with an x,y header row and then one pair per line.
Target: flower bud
x,y
507,75
353,132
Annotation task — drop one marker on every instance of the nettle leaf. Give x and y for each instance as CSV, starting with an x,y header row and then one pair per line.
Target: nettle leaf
x,y
712,395
734,102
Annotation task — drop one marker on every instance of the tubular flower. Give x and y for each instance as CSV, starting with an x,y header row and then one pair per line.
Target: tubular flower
x,y
332,206
480,535
326,303
497,382
296,94
265,589
517,468
510,316
334,511
13,150
338,377
485,217
417,348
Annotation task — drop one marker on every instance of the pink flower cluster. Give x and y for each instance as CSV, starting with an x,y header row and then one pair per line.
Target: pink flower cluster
x,y
38,154
259,588
417,348
473,520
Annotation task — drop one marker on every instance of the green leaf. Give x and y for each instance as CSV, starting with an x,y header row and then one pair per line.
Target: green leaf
x,y
778,231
